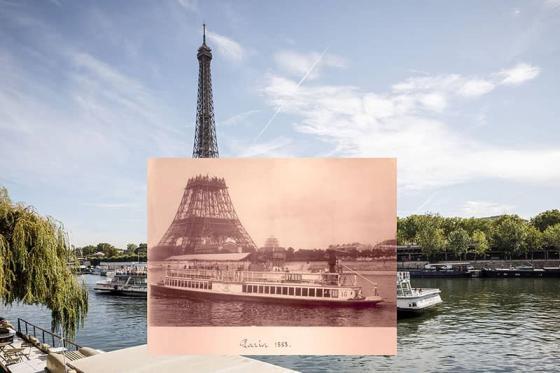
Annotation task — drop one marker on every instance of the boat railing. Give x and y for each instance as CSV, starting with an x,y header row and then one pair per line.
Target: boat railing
x,y
403,276
403,284
44,336
247,276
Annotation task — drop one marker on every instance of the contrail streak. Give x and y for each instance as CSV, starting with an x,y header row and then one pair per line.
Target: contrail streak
x,y
425,203
279,108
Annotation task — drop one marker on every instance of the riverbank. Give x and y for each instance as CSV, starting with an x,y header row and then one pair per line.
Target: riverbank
x,y
479,264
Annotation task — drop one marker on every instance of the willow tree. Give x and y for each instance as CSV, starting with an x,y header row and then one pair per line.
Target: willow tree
x,y
36,265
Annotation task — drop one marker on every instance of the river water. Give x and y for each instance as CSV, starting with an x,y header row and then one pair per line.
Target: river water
x,y
483,325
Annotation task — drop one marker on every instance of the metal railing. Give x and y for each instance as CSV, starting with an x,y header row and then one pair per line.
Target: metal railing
x,y
265,277
44,336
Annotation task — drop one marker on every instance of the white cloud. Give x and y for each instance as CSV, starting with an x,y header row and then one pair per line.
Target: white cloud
x,y
476,87
227,47
298,64
407,123
552,4
107,121
188,5
518,74
485,209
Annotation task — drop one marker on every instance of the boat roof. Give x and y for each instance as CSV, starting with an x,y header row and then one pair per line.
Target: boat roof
x,y
223,257
138,359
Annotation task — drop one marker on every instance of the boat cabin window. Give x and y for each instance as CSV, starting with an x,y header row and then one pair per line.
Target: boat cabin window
x,y
319,292
334,293
291,291
285,290
260,289
278,290
298,291
272,289
293,277
311,292
304,292
327,293
267,289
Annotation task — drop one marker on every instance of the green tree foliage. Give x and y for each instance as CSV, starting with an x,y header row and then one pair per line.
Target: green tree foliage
x,y
431,239
408,228
142,249
34,258
545,219
509,234
480,242
107,249
458,241
552,237
533,240
131,248
88,250
472,225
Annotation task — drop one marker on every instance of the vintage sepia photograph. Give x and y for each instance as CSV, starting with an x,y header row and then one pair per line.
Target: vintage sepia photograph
x,y
272,242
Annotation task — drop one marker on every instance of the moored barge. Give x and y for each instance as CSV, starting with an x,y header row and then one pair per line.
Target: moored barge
x,y
444,270
521,272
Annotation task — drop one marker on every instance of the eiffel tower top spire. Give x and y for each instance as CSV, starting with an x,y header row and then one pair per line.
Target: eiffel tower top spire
x,y
205,143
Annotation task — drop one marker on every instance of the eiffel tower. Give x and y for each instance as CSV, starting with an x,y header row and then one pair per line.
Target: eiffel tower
x,y
205,221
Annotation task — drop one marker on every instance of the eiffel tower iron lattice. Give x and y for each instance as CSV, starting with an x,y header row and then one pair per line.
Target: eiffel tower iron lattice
x,y
205,220
205,143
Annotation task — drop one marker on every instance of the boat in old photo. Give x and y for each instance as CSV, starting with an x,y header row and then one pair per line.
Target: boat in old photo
x,y
231,276
414,300
130,282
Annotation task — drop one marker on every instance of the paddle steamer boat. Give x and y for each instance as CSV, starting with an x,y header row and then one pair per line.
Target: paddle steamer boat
x,y
207,277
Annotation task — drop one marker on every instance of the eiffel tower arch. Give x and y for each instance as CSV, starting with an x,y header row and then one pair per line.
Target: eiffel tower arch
x,y
205,221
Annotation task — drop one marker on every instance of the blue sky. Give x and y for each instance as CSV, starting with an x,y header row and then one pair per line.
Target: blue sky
x,y
464,94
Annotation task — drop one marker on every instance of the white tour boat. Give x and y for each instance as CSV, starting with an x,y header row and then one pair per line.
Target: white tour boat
x,y
126,282
227,277
414,300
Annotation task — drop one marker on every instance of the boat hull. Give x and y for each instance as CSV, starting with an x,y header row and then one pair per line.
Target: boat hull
x,y
440,274
512,273
161,290
121,292
424,300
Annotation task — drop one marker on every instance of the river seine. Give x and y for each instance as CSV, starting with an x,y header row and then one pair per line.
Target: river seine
x,y
485,325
